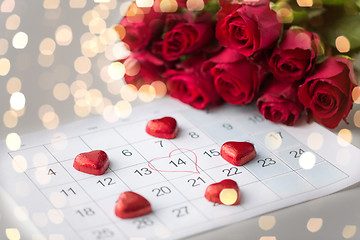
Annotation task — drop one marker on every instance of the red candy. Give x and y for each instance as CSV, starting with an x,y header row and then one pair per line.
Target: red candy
x,y
165,127
237,153
225,192
131,205
95,162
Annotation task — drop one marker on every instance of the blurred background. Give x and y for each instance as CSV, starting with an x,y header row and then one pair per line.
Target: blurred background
x,y
57,66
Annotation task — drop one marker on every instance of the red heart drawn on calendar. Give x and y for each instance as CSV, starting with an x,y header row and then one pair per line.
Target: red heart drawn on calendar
x,y
176,162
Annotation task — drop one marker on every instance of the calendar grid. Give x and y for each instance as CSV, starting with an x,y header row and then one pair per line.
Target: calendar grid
x,y
74,230
142,163
92,200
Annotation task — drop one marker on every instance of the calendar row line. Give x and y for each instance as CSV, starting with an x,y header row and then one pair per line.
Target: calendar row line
x,y
188,187
147,149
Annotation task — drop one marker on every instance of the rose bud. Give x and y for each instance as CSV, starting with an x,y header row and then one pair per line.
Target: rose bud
x,y
143,68
141,29
186,38
191,85
247,28
296,55
237,79
326,94
279,102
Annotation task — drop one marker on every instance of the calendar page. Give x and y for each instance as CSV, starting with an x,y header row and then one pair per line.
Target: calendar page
x,y
292,165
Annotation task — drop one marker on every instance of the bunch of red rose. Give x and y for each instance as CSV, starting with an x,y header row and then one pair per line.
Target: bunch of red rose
x,y
240,56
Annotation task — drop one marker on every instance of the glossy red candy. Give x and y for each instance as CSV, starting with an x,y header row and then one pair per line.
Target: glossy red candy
x,y
237,153
213,192
131,205
95,162
165,127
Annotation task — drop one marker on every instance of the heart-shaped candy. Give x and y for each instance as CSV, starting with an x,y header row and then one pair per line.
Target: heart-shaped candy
x,y
165,127
225,192
237,153
95,162
131,205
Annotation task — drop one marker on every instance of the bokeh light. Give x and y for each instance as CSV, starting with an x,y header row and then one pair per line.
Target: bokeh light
x,y
268,238
305,3
47,46
195,5
61,91
267,222
114,87
344,137
307,160
13,22
10,119
357,118
7,6
228,196
50,120
63,35
160,88
273,140
102,10
56,216
20,40
123,109
284,13
314,224
4,66
51,4
12,233
132,66
168,5
13,141
77,3
88,16
146,93
44,109
342,44
349,231
82,65
144,3
97,25
13,85
17,100
128,92
116,70
315,141
356,94
19,163
4,45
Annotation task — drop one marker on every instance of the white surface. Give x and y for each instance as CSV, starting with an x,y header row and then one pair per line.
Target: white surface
x,y
74,205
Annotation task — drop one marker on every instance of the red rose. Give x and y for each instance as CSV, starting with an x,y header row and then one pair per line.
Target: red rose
x,y
247,28
296,55
143,68
236,79
279,102
191,85
326,94
139,31
186,38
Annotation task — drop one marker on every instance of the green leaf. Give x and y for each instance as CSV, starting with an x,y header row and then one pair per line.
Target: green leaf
x,y
346,25
334,2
